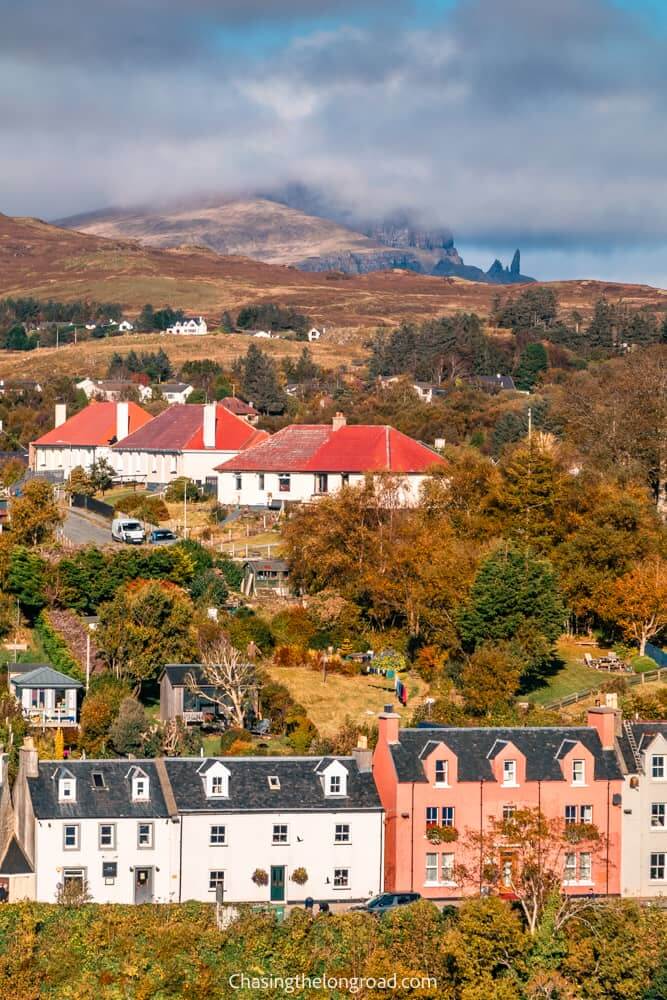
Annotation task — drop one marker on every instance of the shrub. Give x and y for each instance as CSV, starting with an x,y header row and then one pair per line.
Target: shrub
x,y
232,736
55,647
302,735
442,834
126,733
146,508
642,664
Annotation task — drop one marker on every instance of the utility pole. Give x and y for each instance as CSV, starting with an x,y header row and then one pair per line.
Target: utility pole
x,y
530,424
185,509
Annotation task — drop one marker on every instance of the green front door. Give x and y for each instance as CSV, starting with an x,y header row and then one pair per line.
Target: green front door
x,y
277,883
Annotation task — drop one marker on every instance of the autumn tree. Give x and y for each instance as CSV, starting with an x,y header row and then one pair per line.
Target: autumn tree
x,y
490,678
80,482
35,514
227,680
637,602
529,493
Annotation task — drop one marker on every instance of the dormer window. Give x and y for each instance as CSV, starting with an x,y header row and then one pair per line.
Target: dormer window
x,y
442,772
334,784
140,785
578,772
216,780
509,772
67,789
274,782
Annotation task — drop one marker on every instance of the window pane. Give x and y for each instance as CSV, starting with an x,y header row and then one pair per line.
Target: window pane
x,y
431,867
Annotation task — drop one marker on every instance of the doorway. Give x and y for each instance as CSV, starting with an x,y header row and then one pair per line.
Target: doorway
x,y
277,883
143,885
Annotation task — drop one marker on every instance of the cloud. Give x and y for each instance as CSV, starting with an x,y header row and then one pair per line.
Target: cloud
x,y
523,122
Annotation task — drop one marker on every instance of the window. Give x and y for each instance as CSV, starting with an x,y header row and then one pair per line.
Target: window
x,y
578,772
570,867
657,867
342,833
140,788
447,867
67,790
144,835
71,837
570,814
448,816
217,784
284,481
578,814
345,479
585,867
216,878
658,815
341,878
431,816
658,767
218,836
260,481
509,772
107,836
432,867
322,482
441,772
280,833
238,481
508,811
217,781
274,782
98,780
109,872
73,878
585,814
334,784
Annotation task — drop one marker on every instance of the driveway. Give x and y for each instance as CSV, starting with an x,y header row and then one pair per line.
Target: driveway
x,y
83,528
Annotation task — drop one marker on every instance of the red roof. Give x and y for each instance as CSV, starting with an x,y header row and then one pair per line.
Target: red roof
x,y
94,426
181,428
237,406
320,448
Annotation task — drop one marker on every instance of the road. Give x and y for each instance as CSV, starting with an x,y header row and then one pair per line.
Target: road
x,y
85,528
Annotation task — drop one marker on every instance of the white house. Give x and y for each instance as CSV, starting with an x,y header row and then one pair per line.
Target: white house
x,y
189,326
112,390
86,437
304,461
125,326
315,334
176,829
174,392
184,440
643,748
47,696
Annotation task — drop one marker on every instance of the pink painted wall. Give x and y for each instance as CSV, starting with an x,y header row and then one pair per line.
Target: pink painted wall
x,y
476,803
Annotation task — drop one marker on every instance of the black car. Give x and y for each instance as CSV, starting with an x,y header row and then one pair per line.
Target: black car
x,y
387,901
162,536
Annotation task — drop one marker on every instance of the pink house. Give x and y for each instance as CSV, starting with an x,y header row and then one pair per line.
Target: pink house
x,y
465,778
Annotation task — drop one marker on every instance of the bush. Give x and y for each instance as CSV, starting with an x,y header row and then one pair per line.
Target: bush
x,y
56,648
146,508
642,664
232,736
178,488
127,731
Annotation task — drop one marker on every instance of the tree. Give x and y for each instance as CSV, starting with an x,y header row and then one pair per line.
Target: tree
x,y
80,482
11,471
177,489
226,324
529,493
490,678
101,475
26,579
259,381
35,514
637,602
146,318
532,363
228,681
128,729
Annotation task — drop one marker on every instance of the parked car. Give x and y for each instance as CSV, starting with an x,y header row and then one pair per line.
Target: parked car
x,y
124,529
162,536
261,728
387,901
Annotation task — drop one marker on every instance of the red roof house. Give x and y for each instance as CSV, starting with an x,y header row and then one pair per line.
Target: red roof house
x,y
185,440
304,460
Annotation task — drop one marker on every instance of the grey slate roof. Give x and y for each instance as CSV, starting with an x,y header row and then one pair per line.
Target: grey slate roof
x,y
114,801
46,677
15,862
178,672
300,785
541,747
643,733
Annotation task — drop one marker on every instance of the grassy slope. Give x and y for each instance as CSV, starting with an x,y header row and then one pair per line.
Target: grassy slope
x,y
573,676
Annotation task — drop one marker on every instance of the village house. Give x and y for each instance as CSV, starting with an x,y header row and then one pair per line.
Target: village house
x,y
112,390
173,392
189,326
315,334
462,779
125,326
47,696
185,440
305,461
643,746
86,437
241,409
258,829
183,695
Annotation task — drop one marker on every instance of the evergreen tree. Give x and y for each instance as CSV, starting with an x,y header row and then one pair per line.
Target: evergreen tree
x,y
146,318
259,381
532,363
226,324
601,334
528,496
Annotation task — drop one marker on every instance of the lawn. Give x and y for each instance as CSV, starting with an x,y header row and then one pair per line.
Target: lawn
x,y
329,703
33,654
573,676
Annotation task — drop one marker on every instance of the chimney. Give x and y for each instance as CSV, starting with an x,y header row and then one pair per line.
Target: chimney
x,y
122,420
607,721
29,758
209,424
364,758
338,421
388,725
61,414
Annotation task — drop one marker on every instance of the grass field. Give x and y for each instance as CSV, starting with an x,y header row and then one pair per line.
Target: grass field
x,y
573,676
361,698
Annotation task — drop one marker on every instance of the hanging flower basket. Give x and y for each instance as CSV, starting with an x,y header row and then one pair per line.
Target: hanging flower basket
x,y
442,834
575,833
260,877
300,876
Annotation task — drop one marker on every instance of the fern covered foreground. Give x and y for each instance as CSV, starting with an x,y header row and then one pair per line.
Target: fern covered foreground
x,y
480,951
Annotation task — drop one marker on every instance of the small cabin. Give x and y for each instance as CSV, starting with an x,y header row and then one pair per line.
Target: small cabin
x,y
183,695
47,697
266,574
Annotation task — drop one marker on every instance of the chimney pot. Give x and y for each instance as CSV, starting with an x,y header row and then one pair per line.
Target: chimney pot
x,y
122,420
339,421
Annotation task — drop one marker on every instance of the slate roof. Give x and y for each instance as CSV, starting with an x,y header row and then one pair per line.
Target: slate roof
x,y
643,733
177,673
350,448
114,801
173,386
181,427
495,382
46,677
300,785
24,668
14,861
93,426
472,747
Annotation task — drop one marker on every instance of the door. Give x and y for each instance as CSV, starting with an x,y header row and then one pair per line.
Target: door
x,y
143,885
277,883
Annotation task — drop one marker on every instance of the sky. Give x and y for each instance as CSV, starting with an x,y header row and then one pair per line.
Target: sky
x,y
538,124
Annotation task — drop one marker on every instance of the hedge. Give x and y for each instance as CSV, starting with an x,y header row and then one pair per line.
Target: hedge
x,y
56,648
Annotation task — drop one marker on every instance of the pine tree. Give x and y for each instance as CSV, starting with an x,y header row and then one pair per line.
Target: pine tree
x,y
260,381
532,362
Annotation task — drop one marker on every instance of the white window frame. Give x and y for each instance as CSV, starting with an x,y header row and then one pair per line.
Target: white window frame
x,y
655,865
447,868
216,877
579,768
585,868
570,868
280,839
67,790
76,846
217,843
151,835
658,811
341,878
658,764
448,816
74,873
106,826
140,788
342,833
443,766
510,773
431,868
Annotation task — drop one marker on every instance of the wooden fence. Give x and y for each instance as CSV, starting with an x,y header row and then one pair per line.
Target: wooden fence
x,y
632,680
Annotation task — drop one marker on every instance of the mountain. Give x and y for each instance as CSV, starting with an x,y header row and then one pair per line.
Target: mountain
x,y
277,233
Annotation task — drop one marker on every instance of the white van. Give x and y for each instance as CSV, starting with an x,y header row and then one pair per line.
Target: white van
x,y
124,529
